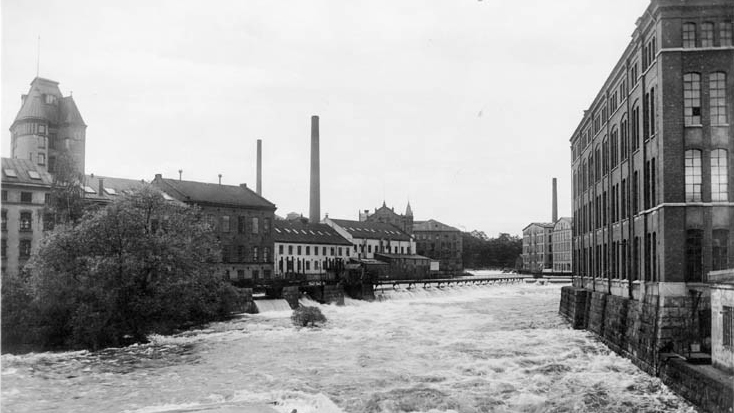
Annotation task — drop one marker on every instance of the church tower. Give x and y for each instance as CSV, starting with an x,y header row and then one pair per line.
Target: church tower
x,y
47,126
408,220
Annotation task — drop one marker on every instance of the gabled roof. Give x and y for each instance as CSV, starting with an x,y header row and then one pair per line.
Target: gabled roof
x,y
306,233
212,194
111,187
23,169
371,230
35,107
432,225
540,224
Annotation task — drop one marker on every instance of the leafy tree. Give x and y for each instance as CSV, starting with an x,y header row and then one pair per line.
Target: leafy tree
x,y
67,192
303,316
483,252
141,265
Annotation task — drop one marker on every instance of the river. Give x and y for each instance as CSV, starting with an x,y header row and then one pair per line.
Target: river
x,y
496,348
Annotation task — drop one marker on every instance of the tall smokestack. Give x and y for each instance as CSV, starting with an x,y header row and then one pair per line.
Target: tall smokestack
x,y
259,167
555,201
314,214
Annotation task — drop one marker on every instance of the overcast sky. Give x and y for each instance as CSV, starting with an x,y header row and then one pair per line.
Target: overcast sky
x,y
463,107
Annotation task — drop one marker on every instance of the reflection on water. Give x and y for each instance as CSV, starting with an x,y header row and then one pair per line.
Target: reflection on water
x,y
459,349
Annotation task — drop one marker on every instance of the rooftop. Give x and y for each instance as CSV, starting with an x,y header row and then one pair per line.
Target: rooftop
x,y
213,194
371,230
24,171
306,233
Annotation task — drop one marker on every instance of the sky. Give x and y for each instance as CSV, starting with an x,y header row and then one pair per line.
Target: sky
x,y
462,107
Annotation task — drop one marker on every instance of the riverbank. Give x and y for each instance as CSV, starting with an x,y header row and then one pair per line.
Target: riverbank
x,y
641,331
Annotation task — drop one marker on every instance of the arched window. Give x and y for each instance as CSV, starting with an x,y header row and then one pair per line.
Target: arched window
x,y
692,99
717,95
693,175
689,35
719,175
614,148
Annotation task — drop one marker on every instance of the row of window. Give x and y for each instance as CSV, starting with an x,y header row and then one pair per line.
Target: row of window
x,y
25,222
692,98
225,224
719,175
436,236
707,34
239,253
24,249
324,250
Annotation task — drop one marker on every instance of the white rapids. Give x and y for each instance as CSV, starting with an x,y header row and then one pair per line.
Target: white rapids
x,y
468,349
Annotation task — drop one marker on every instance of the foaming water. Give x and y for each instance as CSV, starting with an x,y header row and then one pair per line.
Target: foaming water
x,y
467,349
272,305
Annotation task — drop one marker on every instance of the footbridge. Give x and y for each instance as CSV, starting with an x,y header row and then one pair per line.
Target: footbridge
x,y
448,282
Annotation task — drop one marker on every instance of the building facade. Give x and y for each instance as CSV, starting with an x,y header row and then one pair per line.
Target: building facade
x,y
537,248
368,238
25,189
387,215
241,220
561,241
304,248
440,242
652,195
48,125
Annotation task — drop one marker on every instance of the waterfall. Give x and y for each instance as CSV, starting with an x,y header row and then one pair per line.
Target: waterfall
x,y
266,306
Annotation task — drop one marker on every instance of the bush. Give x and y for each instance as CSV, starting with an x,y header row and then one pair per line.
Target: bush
x,y
303,316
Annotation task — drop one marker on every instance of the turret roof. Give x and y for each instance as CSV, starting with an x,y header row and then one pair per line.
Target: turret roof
x,y
35,107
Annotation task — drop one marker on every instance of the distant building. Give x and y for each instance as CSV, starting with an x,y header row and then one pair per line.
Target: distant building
x,y
389,216
441,242
241,219
46,125
105,189
561,245
25,189
537,248
722,319
311,249
368,238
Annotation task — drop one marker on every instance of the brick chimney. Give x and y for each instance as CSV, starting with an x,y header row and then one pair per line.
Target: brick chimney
x,y
314,214
259,167
555,201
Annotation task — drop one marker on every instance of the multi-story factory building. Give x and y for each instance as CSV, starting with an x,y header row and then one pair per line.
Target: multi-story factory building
x,y
561,245
652,198
304,248
537,247
653,205
440,242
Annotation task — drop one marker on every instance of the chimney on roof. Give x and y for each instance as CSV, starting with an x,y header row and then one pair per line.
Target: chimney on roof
x,y
158,176
555,201
180,174
259,187
220,179
315,194
101,186
243,185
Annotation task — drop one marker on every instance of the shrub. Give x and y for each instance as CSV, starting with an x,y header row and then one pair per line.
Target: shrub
x,y
303,316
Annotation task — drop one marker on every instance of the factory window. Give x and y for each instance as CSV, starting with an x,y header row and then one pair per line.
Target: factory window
x,y
725,34
225,223
323,250
41,142
717,95
280,249
308,265
308,250
266,254
241,224
651,113
369,248
720,249
298,250
50,99
26,197
692,99
5,220
614,148
727,334
25,248
340,251
689,35
635,127
25,221
719,175
255,256
625,141
332,251
693,175
240,275
241,253
290,250
694,262
707,34
255,223
266,225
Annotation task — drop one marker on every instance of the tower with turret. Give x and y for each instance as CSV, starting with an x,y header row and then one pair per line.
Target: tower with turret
x,y
48,126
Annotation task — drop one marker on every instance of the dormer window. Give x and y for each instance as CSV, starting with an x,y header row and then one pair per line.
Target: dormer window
x,y
50,99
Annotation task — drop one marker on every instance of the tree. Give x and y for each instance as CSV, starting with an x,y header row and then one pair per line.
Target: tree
x,y
141,265
482,252
66,202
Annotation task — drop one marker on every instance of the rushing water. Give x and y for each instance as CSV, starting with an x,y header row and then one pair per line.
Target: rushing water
x,y
462,349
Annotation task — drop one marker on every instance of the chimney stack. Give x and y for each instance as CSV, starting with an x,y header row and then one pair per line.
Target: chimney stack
x,y
220,179
101,186
555,201
259,167
314,215
180,174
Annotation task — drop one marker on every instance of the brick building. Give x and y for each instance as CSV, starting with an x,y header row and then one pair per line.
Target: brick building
x,y
241,219
537,248
440,242
309,249
561,245
652,197
387,215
